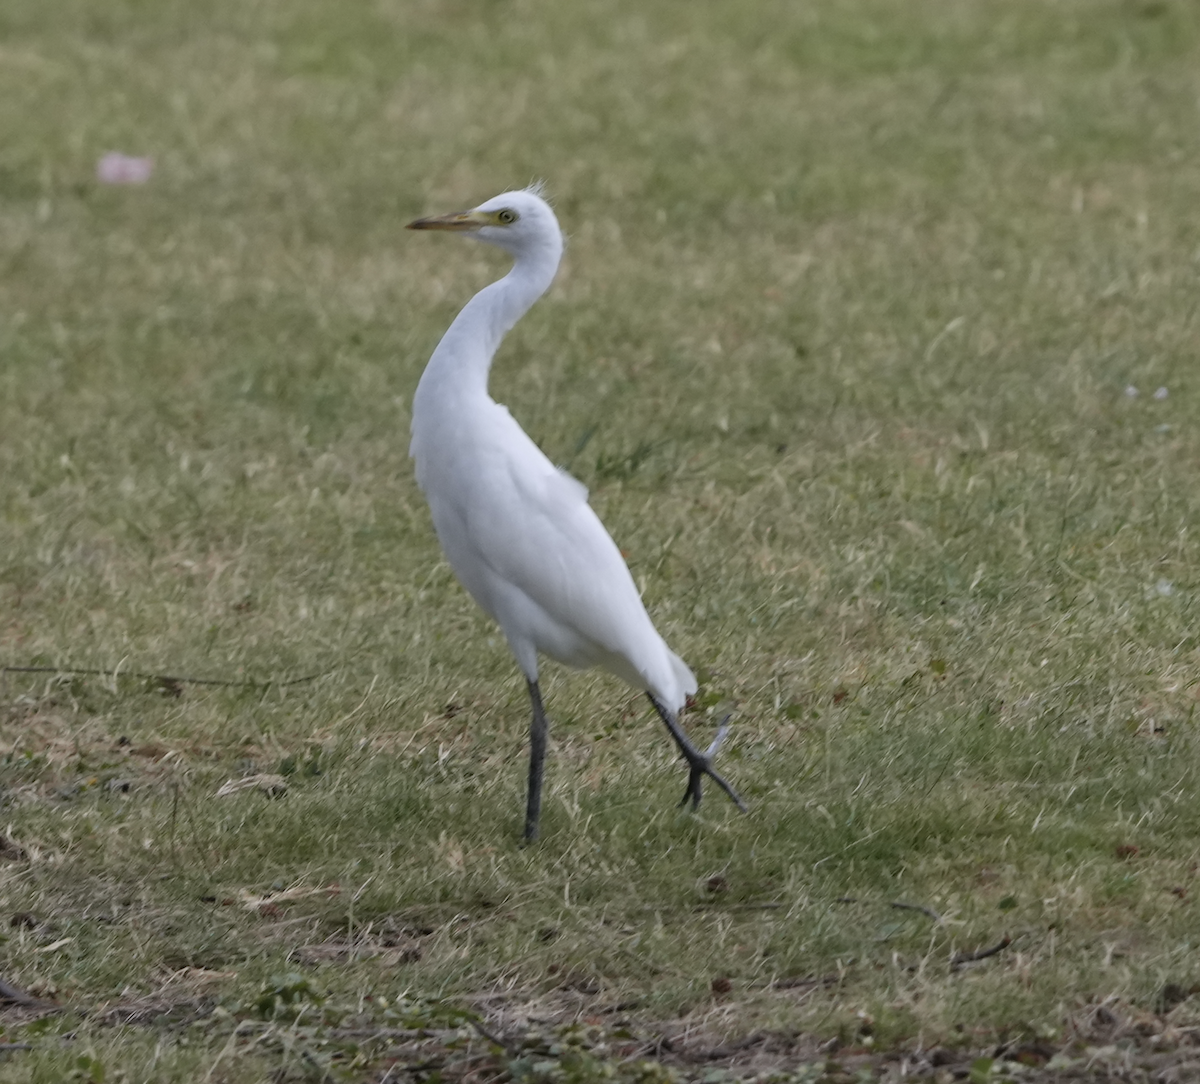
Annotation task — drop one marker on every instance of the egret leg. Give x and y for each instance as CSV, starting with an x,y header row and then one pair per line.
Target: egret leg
x,y
699,764
537,761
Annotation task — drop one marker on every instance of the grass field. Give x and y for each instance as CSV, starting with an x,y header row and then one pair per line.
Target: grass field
x,y
876,343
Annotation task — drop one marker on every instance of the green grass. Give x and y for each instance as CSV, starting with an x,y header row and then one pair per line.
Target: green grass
x,y
853,294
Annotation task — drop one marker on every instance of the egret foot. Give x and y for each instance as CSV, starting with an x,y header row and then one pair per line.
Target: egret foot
x,y
699,764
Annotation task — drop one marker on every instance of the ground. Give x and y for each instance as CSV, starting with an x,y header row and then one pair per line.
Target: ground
x,y
875,344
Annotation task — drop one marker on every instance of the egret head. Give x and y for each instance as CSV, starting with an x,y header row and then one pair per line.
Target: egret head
x,y
518,222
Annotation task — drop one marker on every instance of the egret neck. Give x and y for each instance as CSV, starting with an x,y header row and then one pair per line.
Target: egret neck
x,y
460,365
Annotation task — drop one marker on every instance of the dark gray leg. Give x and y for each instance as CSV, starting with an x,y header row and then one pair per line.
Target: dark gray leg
x,y
699,764
537,761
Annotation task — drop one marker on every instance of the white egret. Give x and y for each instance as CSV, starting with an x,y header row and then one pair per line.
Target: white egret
x,y
518,531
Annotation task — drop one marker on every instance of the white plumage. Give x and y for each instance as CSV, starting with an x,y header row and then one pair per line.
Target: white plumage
x,y
516,529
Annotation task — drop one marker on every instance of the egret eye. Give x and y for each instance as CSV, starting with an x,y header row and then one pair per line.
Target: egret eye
x,y
506,216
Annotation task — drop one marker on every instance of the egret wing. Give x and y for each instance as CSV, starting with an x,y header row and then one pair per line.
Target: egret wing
x,y
537,533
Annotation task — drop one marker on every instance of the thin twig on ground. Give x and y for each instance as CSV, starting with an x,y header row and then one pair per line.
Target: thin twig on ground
x,y
717,906
928,911
728,1050
809,982
166,680
493,1038
970,957
899,906
17,996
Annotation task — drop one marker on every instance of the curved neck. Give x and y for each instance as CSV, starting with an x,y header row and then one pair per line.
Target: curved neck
x,y
460,364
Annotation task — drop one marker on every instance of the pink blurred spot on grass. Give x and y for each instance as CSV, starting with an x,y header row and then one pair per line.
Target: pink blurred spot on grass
x,y
117,168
